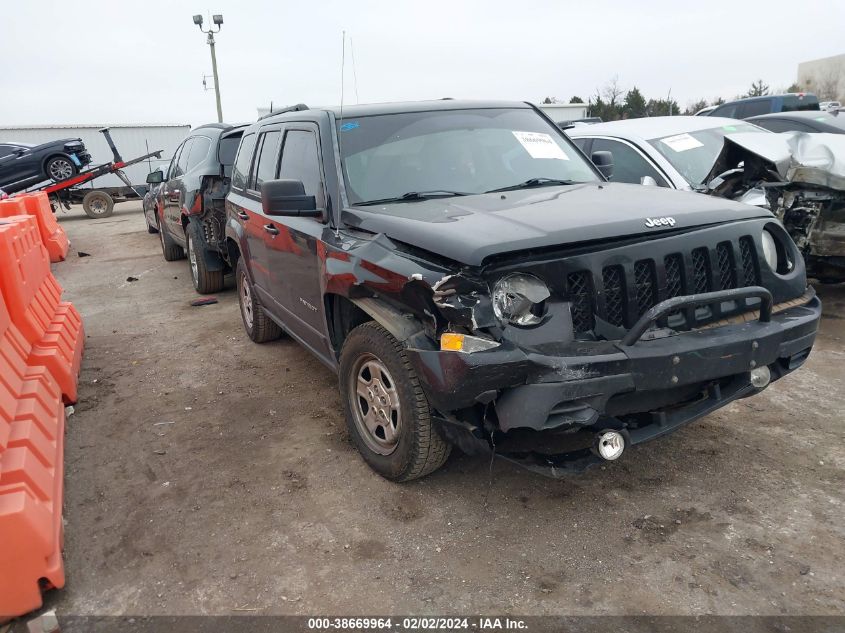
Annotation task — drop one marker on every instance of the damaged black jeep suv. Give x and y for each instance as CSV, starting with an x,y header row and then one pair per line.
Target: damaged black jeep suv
x,y
475,281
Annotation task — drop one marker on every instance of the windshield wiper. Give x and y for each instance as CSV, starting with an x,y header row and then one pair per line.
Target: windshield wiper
x,y
413,196
535,182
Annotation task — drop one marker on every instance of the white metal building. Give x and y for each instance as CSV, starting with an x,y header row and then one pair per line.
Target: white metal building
x,y
824,77
131,141
564,111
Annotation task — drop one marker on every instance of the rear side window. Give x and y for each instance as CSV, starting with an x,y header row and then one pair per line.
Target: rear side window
x,y
199,150
301,161
182,161
728,111
755,108
244,160
265,167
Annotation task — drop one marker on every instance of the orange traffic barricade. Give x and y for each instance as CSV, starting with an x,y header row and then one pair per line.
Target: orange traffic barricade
x,y
38,205
32,421
52,234
33,298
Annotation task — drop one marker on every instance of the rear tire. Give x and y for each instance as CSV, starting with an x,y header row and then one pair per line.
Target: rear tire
x,y
60,168
170,249
205,281
387,411
98,204
259,327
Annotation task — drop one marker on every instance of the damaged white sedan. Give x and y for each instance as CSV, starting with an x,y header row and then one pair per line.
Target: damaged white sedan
x,y
800,177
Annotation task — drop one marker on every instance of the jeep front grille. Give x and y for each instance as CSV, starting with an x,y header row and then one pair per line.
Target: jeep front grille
x,y
645,285
619,294
580,289
749,265
613,282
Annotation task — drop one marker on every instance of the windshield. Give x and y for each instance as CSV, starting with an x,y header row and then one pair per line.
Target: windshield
x,y
454,151
693,153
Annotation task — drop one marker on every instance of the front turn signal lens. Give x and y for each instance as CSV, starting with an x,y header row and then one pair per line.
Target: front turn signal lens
x,y
451,342
454,342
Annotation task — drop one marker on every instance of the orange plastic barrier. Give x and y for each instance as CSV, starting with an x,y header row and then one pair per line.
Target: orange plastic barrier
x,y
52,234
33,298
38,205
32,421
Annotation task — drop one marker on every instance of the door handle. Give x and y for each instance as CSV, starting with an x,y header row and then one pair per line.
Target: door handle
x,y
243,215
272,230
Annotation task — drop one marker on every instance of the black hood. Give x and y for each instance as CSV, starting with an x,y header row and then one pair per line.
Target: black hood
x,y
469,229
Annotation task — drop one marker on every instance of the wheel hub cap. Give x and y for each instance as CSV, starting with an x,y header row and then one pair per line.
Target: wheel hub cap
x,y
192,257
246,302
61,170
375,404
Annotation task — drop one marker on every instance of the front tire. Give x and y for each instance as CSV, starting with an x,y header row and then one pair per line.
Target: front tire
x,y
387,412
170,249
205,281
259,327
98,204
60,168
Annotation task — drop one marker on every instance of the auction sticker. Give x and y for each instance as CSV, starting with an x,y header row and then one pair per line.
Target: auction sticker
x,y
540,145
681,142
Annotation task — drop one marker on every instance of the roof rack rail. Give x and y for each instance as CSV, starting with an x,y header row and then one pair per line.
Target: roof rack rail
x,y
294,108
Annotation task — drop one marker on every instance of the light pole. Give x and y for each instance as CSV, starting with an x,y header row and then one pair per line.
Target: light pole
x,y
218,21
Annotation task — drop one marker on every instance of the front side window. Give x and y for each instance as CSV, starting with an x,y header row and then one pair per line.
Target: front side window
x,y
464,151
301,161
628,164
240,173
693,153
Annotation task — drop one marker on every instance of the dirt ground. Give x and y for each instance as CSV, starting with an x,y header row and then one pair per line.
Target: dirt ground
x,y
208,475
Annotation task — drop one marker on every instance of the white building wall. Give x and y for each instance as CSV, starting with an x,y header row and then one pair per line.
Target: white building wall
x,y
132,141
824,77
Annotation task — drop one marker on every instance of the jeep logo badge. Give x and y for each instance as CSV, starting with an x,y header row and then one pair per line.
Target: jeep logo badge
x,y
653,222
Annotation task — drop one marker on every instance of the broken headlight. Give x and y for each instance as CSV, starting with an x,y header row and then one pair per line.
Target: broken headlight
x,y
520,299
775,254
770,250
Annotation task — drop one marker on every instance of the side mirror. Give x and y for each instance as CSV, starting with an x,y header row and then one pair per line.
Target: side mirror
x,y
155,177
287,197
603,160
648,181
20,151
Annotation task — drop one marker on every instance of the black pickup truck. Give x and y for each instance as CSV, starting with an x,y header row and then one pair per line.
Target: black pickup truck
x,y
475,280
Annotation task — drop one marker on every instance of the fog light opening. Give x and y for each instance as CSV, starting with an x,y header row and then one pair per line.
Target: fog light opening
x,y
760,377
610,445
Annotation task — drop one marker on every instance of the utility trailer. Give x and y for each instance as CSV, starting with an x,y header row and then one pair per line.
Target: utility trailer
x,y
97,202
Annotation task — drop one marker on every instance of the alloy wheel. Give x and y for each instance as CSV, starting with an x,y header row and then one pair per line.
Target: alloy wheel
x,y
246,302
61,169
375,404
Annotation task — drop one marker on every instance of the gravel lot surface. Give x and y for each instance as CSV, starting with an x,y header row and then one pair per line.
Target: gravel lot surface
x,y
209,475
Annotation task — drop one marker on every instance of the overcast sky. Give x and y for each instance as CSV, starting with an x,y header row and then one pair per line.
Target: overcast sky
x,y
101,61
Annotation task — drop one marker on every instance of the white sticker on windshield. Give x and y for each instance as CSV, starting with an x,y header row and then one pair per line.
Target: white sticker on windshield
x,y
681,142
540,145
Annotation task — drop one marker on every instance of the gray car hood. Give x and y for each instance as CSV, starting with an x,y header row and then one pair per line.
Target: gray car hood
x,y
796,157
471,228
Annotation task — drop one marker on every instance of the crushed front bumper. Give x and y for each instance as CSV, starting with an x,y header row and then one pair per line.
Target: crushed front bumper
x,y
646,387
